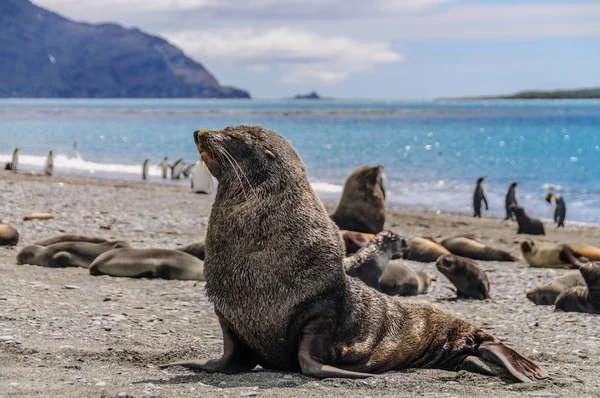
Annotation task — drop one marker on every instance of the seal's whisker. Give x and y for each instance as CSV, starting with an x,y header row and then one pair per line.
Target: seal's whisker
x,y
241,171
227,156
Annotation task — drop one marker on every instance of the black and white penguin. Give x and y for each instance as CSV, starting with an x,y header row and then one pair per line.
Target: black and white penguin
x,y
559,206
511,199
478,197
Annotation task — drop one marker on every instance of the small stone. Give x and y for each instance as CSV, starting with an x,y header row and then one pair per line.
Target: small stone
x,y
250,394
287,376
71,287
6,338
122,395
107,299
101,384
13,384
107,328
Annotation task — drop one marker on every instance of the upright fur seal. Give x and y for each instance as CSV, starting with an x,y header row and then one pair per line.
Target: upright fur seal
x,y
370,261
529,226
66,254
549,255
424,249
362,205
398,279
478,197
274,272
467,246
148,263
582,299
560,208
547,294
511,199
8,235
470,280
49,165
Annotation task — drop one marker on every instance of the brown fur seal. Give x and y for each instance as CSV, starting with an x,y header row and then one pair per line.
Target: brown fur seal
x,y
424,249
148,263
582,298
466,246
470,280
8,235
69,238
370,261
529,226
362,205
274,272
547,294
549,255
196,249
66,254
399,279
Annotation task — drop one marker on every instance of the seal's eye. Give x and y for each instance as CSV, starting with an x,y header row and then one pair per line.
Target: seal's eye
x,y
270,154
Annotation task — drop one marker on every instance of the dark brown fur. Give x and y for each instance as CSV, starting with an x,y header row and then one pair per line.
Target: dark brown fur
x,y
530,226
362,205
547,294
466,246
470,280
582,298
196,249
274,272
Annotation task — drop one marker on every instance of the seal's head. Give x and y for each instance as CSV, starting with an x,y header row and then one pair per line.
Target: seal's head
x,y
527,246
591,275
518,210
28,254
447,264
543,295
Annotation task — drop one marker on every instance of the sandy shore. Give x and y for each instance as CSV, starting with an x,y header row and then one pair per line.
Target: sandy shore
x,y
78,335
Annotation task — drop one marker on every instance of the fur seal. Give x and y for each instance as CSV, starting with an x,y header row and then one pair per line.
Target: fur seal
x,y
145,166
424,249
69,238
8,235
196,249
66,254
13,164
467,246
148,263
529,226
560,208
301,312
582,298
399,279
354,241
49,165
38,216
511,199
362,205
369,262
547,294
470,280
549,255
478,197
164,167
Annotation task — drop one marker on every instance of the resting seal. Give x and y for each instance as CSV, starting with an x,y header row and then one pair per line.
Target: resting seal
x,y
399,279
547,294
478,197
467,246
148,263
66,254
470,280
69,238
582,298
424,249
274,272
529,226
362,205
370,261
8,235
549,255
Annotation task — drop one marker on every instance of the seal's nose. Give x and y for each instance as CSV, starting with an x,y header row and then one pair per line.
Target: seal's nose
x,y
196,135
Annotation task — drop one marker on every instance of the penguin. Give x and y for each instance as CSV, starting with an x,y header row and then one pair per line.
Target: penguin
x,y
511,199
479,196
145,169
12,165
164,166
49,165
177,169
560,208
188,170
202,181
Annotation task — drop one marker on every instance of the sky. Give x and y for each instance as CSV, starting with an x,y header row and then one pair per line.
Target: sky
x,y
379,49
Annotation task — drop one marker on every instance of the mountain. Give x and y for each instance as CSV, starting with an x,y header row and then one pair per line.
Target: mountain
x,y
583,93
43,54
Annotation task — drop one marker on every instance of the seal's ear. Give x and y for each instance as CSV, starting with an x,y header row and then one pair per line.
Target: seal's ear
x,y
270,154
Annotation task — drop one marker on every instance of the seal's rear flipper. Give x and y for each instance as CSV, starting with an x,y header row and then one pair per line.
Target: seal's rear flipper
x,y
517,365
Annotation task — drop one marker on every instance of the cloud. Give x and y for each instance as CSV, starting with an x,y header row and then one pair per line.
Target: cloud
x,y
302,56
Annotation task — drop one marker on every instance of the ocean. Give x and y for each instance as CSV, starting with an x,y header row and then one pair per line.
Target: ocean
x,y
432,151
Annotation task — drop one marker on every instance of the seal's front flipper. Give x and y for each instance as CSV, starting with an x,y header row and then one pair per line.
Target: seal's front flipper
x,y
313,350
477,365
236,356
517,365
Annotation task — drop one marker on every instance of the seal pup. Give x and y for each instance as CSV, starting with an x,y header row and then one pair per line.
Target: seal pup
x,y
301,312
164,167
8,235
582,298
468,246
398,279
478,197
196,249
145,166
13,164
362,205
369,262
560,208
177,169
529,226
148,263
424,249
49,165
549,255
468,277
511,199
66,254
354,241
547,294
69,238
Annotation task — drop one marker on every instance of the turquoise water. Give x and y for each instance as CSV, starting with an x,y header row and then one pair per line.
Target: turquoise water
x,y
432,151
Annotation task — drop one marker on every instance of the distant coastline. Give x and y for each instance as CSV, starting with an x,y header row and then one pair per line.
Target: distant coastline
x,y
584,93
